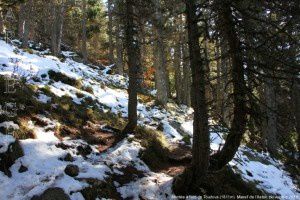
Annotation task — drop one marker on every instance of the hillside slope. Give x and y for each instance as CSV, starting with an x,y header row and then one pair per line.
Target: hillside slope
x,y
118,170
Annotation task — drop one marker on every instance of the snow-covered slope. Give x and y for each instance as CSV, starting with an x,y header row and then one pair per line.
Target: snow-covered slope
x,y
44,159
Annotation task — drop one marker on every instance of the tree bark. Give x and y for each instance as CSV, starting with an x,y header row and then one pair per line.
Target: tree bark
x,y
178,60
178,71
134,63
84,37
238,125
296,100
270,131
161,74
110,32
119,48
194,176
60,25
187,96
1,22
21,21
27,25
54,29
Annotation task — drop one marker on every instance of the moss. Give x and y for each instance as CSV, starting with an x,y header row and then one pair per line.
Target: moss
x,y
21,101
156,146
47,90
187,139
28,50
58,76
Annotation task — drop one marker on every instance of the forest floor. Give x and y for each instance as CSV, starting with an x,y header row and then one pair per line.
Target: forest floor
x,y
69,130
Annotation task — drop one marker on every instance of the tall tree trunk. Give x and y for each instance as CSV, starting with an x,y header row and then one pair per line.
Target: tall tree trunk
x,y
270,131
84,37
60,25
178,60
54,29
27,22
119,48
296,100
160,56
110,32
1,22
21,21
187,96
238,124
219,90
178,71
134,63
194,176
225,111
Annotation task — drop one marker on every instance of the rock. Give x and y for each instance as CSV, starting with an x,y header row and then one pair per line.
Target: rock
x,y
63,146
249,173
7,158
109,72
72,170
160,127
84,150
23,169
52,194
100,189
68,158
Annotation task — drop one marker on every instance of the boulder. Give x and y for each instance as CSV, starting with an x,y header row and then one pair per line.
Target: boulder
x,y
72,170
10,151
23,169
84,150
68,158
52,194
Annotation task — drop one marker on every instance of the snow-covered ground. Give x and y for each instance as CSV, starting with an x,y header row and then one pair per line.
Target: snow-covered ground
x,y
43,157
